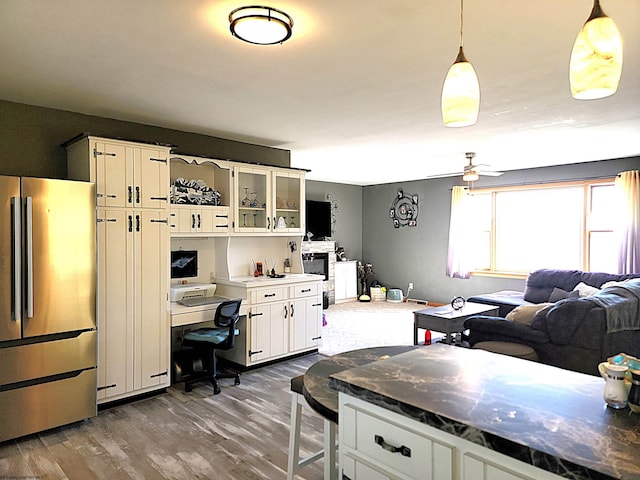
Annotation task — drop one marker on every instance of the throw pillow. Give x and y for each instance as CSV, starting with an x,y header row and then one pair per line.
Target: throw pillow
x,y
613,284
560,294
526,313
585,290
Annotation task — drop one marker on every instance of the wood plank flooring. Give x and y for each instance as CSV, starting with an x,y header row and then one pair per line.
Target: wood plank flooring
x,y
241,434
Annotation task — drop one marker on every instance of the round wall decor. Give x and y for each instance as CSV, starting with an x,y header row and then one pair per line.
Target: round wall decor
x,y
458,302
404,210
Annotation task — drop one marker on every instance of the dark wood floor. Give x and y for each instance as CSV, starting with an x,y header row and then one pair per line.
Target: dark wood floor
x,y
242,433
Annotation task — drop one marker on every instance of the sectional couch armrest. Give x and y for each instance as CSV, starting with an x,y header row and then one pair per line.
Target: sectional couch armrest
x,y
486,328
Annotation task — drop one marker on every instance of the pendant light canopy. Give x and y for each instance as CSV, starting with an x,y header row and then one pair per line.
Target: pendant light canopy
x,y
461,90
260,25
596,58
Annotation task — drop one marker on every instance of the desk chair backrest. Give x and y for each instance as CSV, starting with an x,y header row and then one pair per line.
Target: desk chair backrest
x,y
227,315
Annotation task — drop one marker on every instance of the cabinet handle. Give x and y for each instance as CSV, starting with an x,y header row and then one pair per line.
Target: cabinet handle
x,y
222,226
137,194
317,338
285,311
222,216
130,195
106,154
254,353
292,310
158,374
161,160
199,221
275,225
105,195
267,295
164,199
251,315
137,223
106,220
153,220
402,450
305,290
193,220
130,223
268,223
106,386
316,304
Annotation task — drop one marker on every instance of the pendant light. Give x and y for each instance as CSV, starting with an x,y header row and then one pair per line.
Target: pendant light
x,y
461,90
596,58
260,25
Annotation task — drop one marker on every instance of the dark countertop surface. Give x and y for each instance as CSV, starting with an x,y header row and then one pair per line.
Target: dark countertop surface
x,y
549,417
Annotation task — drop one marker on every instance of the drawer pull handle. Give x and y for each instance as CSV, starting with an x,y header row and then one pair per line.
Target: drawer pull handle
x,y
316,304
316,338
267,295
254,353
251,315
305,290
402,450
106,386
161,374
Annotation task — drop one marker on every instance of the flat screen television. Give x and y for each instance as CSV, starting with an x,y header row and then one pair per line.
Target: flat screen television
x,y
318,216
184,263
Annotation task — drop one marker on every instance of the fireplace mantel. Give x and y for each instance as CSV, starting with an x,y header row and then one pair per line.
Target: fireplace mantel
x,y
330,248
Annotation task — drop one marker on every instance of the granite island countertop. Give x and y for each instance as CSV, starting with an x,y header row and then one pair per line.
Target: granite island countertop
x,y
266,281
551,418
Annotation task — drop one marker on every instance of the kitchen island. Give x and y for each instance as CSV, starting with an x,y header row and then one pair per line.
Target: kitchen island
x,y
449,412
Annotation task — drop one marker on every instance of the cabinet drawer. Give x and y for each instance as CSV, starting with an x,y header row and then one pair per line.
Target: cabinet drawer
x,y
400,449
267,294
191,318
304,290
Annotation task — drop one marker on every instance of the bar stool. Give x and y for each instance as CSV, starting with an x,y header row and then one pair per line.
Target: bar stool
x,y
295,463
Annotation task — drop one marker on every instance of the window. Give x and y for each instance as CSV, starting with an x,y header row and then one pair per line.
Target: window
x,y
516,230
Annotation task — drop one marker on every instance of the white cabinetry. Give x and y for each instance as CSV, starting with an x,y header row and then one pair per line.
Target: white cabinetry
x,y
376,443
133,262
346,286
189,217
282,319
268,200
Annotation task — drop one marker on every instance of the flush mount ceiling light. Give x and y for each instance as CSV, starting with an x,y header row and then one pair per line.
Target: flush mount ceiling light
x,y
461,90
596,58
260,25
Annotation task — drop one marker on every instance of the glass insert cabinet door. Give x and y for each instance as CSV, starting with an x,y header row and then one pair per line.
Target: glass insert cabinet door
x,y
252,199
288,202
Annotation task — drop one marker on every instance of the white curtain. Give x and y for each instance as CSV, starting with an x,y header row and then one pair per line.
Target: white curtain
x,y
627,227
458,255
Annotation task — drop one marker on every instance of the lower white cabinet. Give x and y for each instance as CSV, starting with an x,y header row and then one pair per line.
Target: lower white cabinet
x,y
346,281
132,303
282,320
376,443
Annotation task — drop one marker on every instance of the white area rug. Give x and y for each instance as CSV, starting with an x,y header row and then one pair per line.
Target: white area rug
x,y
353,325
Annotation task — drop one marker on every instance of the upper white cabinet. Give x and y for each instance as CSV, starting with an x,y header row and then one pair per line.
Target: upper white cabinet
x,y
200,196
268,200
126,174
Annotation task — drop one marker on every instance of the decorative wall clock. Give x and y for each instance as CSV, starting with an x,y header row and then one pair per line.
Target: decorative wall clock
x,y
404,210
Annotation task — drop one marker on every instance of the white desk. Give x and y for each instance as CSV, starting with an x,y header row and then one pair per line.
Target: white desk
x,y
182,315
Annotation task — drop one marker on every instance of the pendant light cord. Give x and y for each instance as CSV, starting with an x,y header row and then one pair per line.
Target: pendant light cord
x,y
461,21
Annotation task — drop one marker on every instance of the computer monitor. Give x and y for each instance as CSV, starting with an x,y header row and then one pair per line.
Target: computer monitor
x,y
184,263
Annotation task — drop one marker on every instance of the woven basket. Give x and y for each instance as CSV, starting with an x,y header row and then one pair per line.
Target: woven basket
x,y
377,295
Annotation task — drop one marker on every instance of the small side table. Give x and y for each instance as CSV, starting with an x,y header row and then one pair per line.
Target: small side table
x,y
447,320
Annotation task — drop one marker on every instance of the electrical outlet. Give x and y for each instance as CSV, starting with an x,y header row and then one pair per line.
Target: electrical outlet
x,y
410,285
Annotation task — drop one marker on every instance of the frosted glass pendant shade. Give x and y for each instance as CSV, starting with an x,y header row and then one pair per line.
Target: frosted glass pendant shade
x,y
460,94
596,58
260,25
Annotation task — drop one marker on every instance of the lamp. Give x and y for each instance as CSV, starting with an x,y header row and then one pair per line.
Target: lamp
x,y
596,58
470,176
461,90
260,25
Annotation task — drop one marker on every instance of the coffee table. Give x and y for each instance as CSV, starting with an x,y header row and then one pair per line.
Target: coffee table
x,y
447,320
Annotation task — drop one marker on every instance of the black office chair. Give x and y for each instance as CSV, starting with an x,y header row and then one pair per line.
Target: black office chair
x,y
205,342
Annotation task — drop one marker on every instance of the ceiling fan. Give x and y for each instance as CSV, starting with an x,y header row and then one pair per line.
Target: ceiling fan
x,y
472,172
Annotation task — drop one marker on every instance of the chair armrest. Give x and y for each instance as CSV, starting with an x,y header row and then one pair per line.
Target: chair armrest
x,y
484,328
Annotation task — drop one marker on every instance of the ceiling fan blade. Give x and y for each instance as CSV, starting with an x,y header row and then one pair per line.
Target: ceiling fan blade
x,y
489,173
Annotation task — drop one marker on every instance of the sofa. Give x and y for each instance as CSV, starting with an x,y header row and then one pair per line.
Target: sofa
x,y
572,319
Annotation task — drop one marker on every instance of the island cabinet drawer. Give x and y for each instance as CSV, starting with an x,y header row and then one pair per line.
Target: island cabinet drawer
x,y
387,441
304,290
267,294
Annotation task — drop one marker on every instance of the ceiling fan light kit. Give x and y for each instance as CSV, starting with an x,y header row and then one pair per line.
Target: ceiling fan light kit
x,y
260,25
596,58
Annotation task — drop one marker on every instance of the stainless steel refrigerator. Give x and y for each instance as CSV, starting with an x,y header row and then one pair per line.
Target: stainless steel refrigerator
x,y
47,304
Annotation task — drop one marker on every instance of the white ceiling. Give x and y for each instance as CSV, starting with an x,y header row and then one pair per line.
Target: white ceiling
x,y
354,94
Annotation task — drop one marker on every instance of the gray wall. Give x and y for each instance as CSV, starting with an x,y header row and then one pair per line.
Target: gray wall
x,y
31,140
419,254
347,201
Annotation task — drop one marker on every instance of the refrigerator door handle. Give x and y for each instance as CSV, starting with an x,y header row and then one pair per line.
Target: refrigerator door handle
x,y
29,255
16,213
